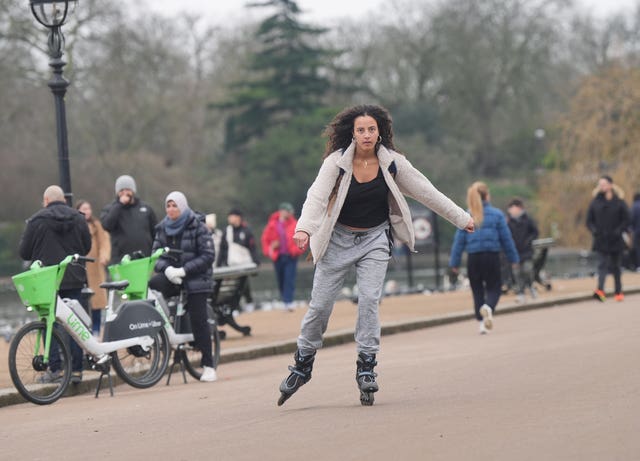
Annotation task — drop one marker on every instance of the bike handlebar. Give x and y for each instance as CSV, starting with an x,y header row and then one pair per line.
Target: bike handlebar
x,y
77,257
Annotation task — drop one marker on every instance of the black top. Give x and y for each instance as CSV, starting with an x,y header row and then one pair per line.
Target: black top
x,y
367,203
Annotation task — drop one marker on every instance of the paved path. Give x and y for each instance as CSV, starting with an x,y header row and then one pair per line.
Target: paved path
x,y
558,383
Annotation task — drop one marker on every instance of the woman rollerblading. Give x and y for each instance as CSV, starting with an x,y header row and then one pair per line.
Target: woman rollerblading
x,y
354,211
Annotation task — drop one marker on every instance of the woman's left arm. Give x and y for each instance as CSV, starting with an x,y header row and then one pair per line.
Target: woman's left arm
x,y
506,239
205,252
416,185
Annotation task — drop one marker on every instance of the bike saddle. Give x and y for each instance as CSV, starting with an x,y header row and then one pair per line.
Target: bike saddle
x,y
121,285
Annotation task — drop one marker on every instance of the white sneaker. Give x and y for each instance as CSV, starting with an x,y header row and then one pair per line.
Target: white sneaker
x,y
534,292
487,316
481,328
208,375
520,299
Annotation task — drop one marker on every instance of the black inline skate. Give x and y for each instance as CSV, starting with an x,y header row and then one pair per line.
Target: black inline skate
x,y
300,374
366,377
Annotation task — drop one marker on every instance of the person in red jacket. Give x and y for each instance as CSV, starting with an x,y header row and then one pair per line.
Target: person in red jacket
x,y
278,245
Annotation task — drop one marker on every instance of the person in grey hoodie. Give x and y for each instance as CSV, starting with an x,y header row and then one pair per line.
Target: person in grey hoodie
x,y
354,209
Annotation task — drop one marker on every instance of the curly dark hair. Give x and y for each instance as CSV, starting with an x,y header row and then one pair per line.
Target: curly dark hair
x,y
340,130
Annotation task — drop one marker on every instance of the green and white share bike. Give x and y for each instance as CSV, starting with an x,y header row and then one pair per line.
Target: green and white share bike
x,y
175,318
134,339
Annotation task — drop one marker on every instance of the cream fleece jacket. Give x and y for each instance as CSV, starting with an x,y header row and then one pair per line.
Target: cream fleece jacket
x,y
318,221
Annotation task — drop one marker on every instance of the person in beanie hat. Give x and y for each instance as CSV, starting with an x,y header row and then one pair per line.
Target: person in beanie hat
x,y
192,271
278,245
129,221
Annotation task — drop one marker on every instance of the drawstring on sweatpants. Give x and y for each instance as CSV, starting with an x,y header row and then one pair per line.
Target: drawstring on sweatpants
x,y
357,237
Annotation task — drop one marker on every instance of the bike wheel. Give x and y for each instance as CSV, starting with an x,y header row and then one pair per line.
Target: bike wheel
x,y
140,368
192,356
39,382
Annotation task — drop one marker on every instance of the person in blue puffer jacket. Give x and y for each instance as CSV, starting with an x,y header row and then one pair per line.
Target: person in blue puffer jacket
x,y
483,247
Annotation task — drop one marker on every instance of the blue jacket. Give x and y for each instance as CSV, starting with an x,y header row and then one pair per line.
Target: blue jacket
x,y
494,235
635,217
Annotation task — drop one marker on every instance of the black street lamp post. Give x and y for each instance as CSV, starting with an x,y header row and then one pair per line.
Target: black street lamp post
x,y
52,14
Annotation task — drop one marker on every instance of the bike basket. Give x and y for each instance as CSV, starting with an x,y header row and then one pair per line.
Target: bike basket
x,y
136,272
38,286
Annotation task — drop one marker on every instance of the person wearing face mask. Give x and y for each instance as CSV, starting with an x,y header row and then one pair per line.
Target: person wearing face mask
x,y
353,211
192,270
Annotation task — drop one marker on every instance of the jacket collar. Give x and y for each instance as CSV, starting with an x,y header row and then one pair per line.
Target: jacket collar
x,y
345,161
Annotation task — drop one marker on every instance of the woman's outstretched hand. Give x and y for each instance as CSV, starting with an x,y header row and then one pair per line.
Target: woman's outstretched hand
x,y
301,239
470,227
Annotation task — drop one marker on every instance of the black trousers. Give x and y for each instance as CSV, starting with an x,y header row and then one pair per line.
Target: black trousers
x,y
610,262
196,307
484,271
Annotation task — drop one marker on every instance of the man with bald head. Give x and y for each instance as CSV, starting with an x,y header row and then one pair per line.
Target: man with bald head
x,y
53,233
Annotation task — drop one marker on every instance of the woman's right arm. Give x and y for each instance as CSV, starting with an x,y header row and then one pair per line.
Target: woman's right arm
x,y
315,206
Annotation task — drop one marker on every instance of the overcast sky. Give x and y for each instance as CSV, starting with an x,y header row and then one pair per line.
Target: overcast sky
x,y
228,11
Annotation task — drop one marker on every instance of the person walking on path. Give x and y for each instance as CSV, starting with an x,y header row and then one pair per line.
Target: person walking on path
x,y
353,210
279,246
96,272
607,219
182,229
635,229
524,231
130,222
52,234
483,249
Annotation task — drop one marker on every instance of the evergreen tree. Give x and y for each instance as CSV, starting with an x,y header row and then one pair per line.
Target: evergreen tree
x,y
284,79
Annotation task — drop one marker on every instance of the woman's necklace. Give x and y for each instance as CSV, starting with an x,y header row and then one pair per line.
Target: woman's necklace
x,y
365,162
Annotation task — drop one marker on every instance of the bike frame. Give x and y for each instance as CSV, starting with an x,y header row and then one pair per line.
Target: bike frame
x,y
175,339
72,324
69,320
158,301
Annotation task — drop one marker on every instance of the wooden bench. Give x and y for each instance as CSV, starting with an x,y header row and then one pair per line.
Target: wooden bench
x,y
229,284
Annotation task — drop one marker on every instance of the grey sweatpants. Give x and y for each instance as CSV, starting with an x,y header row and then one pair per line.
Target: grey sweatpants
x,y
368,251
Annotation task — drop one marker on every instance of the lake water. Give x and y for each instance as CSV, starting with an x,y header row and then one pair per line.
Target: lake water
x,y
560,264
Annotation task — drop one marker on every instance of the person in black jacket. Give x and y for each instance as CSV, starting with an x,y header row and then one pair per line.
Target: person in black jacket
x,y
53,233
238,246
129,221
182,229
524,231
607,218
635,228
